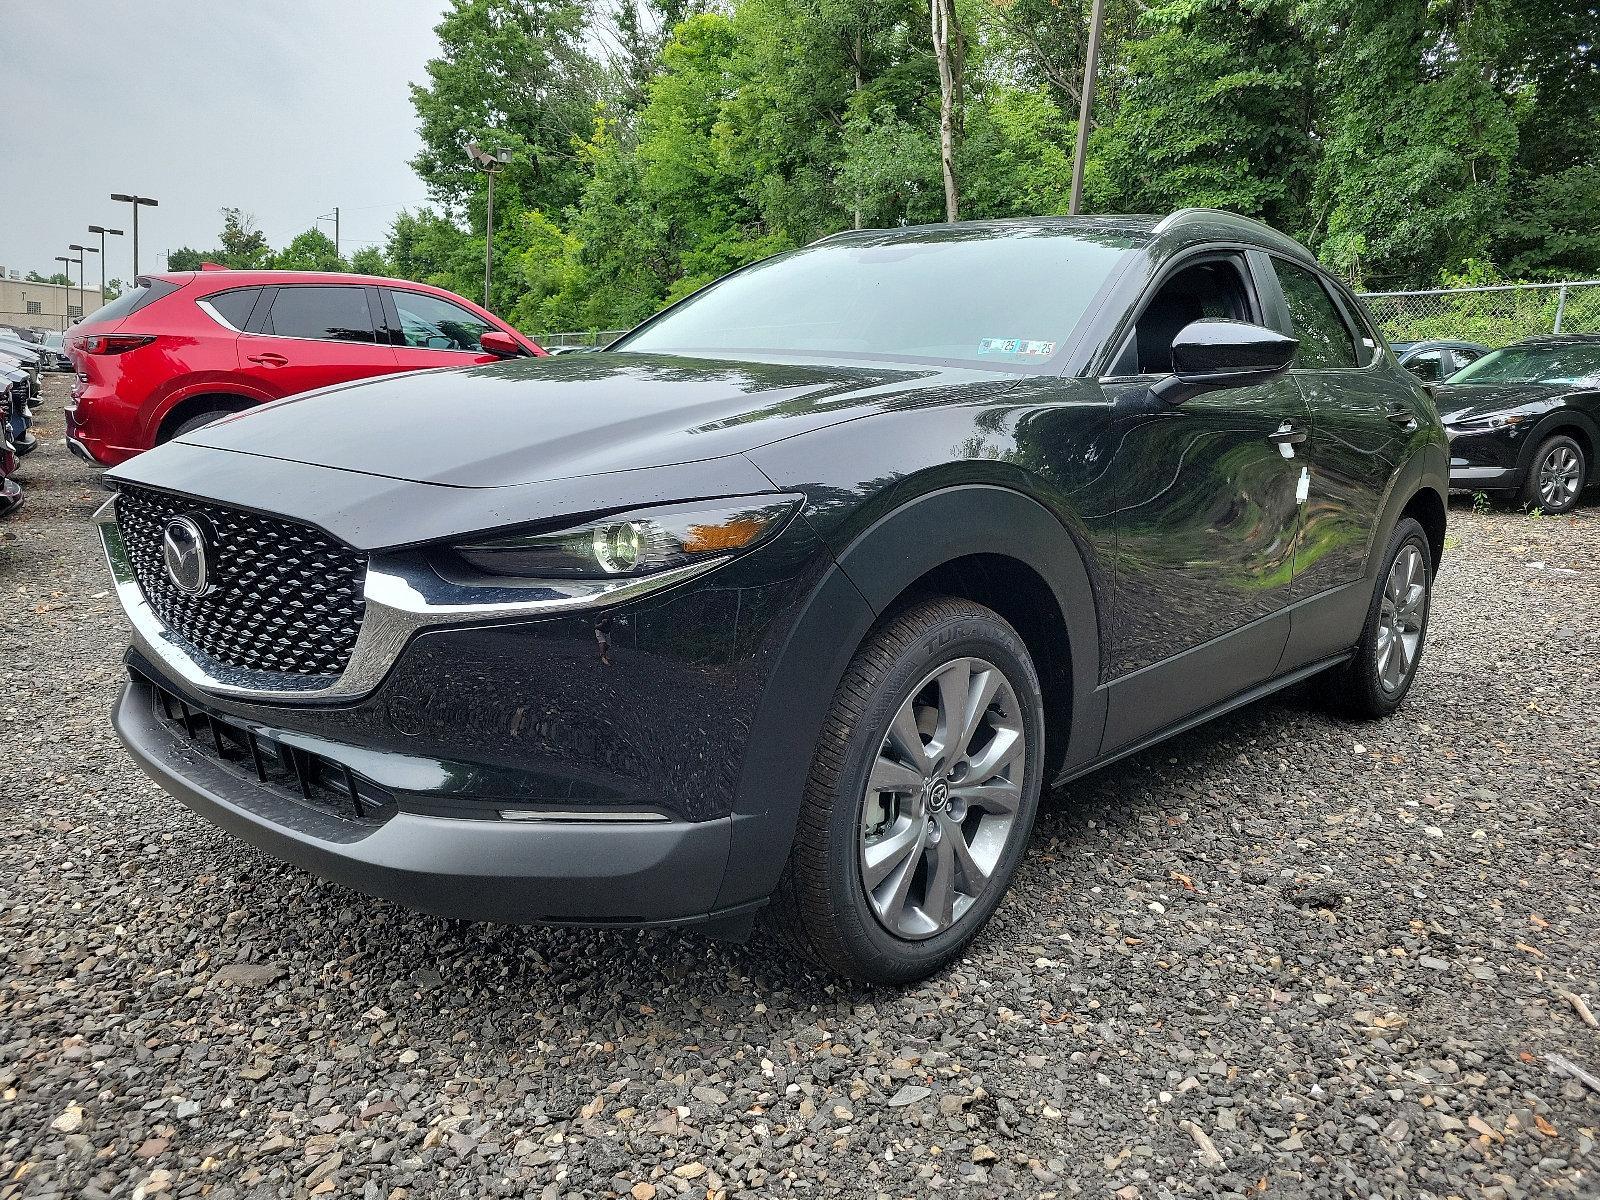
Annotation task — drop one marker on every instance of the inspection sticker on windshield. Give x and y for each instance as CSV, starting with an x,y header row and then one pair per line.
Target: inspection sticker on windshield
x,y
1016,347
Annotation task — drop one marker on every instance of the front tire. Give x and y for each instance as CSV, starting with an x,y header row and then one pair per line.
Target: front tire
x,y
1557,475
921,797
1374,682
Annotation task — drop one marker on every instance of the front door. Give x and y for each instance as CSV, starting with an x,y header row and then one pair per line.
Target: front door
x,y
1205,499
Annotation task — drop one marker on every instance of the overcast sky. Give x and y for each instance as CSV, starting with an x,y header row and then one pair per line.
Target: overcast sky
x,y
284,109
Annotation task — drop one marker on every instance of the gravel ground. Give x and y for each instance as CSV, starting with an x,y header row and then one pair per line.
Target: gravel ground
x,y
1279,955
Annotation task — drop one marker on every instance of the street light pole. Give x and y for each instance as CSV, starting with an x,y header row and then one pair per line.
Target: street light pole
x,y
83,304
489,164
136,201
61,258
102,231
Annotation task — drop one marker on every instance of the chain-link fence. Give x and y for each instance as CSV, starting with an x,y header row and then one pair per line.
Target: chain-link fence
x,y
1492,316
582,338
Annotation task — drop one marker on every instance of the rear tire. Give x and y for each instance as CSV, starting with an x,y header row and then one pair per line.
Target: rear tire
x,y
1556,476
198,421
1375,681
913,822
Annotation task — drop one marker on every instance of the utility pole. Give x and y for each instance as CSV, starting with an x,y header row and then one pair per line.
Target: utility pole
x,y
136,201
102,231
61,258
334,217
1085,106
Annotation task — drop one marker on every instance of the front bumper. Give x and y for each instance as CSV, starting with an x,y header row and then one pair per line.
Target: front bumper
x,y
593,872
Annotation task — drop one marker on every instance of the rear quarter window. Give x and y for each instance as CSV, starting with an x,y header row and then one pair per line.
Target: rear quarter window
x,y
1325,339
234,307
141,294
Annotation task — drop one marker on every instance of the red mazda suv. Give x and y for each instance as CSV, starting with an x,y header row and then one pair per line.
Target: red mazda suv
x,y
179,350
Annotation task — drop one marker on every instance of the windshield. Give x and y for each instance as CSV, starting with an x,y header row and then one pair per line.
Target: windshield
x,y
1570,363
1008,298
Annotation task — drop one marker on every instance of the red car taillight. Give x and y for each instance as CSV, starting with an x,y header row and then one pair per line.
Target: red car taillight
x,y
113,343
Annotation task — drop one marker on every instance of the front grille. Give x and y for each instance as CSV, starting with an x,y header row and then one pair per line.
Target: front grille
x,y
283,597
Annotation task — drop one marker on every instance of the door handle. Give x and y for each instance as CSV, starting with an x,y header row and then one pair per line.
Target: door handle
x,y
268,359
1287,435
1402,416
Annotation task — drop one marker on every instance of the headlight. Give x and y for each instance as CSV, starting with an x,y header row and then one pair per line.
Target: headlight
x,y
635,543
1485,424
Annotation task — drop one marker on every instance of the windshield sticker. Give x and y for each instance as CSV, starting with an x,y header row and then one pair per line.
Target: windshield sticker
x,y
1016,347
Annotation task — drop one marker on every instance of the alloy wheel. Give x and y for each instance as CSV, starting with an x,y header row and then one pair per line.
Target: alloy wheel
x,y
942,798
1558,476
1400,618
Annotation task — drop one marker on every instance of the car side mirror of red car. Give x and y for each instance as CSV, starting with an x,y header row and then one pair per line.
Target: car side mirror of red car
x,y
501,345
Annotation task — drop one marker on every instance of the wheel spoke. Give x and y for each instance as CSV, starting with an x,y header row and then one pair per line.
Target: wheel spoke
x,y
955,684
998,796
879,859
973,877
907,738
939,903
1002,750
890,776
893,906
980,695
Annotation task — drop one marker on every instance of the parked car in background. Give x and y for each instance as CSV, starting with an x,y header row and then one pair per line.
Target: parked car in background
x,y
1526,419
797,595
16,409
56,346
178,351
10,490
1432,361
30,357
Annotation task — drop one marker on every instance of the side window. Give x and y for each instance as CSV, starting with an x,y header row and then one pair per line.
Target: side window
x,y
1214,288
427,322
1325,340
1427,365
332,314
234,307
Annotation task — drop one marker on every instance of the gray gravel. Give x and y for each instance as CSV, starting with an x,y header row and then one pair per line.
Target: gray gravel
x,y
1280,955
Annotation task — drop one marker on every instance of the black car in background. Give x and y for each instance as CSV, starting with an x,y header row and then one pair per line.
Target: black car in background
x,y
1434,360
797,596
1526,420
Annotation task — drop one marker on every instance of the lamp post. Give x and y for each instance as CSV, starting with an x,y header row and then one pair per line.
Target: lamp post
x,y
490,164
83,305
62,258
136,201
102,231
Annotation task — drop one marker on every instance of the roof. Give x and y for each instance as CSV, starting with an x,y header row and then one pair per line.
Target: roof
x,y
1561,339
234,278
1182,228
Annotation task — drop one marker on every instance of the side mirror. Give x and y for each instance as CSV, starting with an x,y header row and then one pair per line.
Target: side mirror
x,y
1214,353
501,345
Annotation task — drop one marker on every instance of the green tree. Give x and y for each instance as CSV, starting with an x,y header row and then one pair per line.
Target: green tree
x,y
1417,142
184,258
312,250
243,246
1216,111
57,278
512,74
370,260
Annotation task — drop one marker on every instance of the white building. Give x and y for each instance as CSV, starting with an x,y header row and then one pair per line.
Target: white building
x,y
43,305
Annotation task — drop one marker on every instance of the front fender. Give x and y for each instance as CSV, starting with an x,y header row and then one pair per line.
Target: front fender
x,y
869,574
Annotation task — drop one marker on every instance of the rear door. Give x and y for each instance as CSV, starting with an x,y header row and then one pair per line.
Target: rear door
x,y
305,336
430,331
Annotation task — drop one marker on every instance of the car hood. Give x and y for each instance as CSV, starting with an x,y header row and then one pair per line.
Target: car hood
x,y
1472,401
567,416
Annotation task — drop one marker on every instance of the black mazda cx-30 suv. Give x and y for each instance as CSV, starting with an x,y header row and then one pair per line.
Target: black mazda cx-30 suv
x,y
796,596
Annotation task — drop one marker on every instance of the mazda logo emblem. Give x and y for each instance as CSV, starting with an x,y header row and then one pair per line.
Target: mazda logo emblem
x,y
938,795
183,554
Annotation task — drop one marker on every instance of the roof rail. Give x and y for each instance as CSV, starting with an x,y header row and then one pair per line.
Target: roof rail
x,y
1172,218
